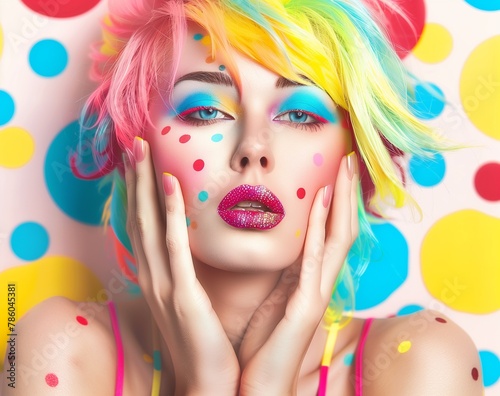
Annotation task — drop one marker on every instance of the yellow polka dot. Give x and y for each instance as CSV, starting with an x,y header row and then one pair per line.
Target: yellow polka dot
x,y
16,147
297,233
194,225
48,277
206,40
404,347
480,87
434,45
460,261
1,41
147,358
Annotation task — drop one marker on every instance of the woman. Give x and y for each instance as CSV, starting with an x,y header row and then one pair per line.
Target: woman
x,y
248,127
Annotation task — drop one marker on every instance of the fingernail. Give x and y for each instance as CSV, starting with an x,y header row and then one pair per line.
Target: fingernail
x,y
168,183
327,195
138,149
128,154
352,164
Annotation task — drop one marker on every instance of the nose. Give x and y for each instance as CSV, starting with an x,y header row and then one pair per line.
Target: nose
x,y
253,150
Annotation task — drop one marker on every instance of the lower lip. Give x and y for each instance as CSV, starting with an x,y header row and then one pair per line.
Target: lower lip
x,y
251,219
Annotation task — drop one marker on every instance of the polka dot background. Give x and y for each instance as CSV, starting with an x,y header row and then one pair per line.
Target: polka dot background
x,y
448,262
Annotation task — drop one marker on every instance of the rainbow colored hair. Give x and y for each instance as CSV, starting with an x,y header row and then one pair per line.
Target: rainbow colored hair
x,y
335,44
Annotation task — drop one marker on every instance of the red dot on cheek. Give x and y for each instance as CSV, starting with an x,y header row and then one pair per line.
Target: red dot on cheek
x,y
475,374
51,380
165,130
82,320
301,193
184,138
198,165
440,320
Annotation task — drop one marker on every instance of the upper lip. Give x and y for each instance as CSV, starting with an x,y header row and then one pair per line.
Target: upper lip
x,y
246,195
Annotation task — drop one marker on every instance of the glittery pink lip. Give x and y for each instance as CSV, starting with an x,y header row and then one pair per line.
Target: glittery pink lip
x,y
251,218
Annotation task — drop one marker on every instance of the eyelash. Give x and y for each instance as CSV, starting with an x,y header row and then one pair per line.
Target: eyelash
x,y
184,116
310,126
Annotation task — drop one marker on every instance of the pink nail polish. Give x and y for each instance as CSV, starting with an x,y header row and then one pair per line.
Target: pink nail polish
x,y
352,164
327,195
138,148
168,183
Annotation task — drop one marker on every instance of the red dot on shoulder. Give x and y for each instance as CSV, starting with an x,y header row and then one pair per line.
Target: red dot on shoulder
x,y
475,374
51,380
440,320
82,320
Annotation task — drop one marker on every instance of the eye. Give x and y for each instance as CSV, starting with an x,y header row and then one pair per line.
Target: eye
x,y
203,115
300,119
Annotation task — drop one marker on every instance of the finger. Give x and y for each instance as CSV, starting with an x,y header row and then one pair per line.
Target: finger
x,y
148,218
138,252
177,240
342,227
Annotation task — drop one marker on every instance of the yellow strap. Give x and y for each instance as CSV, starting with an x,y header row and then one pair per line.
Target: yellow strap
x,y
330,344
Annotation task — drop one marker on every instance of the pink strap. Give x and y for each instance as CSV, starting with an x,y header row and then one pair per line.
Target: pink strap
x,y
119,349
359,357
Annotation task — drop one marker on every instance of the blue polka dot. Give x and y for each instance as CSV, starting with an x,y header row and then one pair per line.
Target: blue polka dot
x,y
29,241
490,366
198,36
388,268
82,200
203,196
428,101
485,5
427,171
409,309
222,67
48,58
217,137
188,221
348,359
7,107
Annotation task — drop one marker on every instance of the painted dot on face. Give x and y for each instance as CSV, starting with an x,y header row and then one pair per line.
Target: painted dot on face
x,y
147,358
206,40
301,193
475,374
188,221
51,380
194,225
216,138
203,196
209,59
222,67
440,320
348,359
198,36
404,346
198,165
318,159
83,321
184,138
165,130
297,233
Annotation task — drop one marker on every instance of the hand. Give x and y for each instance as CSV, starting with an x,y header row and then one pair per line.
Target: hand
x,y
281,330
203,357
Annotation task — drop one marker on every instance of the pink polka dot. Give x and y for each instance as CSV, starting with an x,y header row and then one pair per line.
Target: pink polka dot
x,y
475,374
301,193
61,9
440,320
82,320
165,130
198,165
51,380
487,182
318,159
184,138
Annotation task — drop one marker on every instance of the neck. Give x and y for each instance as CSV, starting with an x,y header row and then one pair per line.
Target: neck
x,y
235,296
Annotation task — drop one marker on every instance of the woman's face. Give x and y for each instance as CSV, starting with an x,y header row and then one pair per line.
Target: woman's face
x,y
249,160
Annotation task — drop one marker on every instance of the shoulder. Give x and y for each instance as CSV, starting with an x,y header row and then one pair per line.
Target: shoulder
x,y
64,344
423,353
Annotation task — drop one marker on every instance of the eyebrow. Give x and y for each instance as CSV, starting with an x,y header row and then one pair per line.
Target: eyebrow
x,y
218,78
